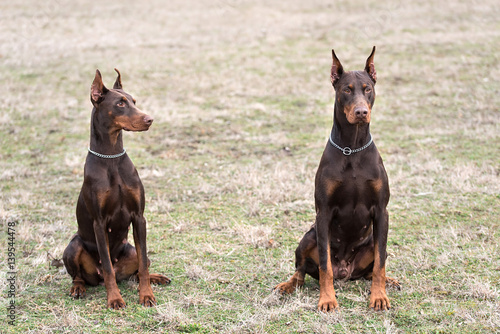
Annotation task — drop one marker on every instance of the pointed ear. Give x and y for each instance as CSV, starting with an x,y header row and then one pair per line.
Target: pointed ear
x,y
118,82
337,69
97,90
370,67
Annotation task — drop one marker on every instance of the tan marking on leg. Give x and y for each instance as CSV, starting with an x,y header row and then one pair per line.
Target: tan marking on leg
x,y
78,289
146,296
127,266
314,255
327,301
296,281
87,263
393,282
159,279
115,300
378,297
365,260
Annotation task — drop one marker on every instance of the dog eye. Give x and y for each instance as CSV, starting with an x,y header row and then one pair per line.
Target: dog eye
x,y
121,104
368,90
347,90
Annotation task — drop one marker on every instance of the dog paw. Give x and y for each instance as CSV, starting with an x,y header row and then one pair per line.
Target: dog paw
x,y
116,303
159,279
147,301
77,291
285,288
393,283
327,304
379,301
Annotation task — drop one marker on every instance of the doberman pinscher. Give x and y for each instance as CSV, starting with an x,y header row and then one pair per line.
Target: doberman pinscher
x,y
349,237
111,198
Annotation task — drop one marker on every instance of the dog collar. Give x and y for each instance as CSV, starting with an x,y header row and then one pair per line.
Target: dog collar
x,y
107,156
347,150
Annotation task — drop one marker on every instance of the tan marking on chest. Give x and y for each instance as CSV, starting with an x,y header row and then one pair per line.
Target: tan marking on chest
x,y
135,193
102,198
376,185
331,186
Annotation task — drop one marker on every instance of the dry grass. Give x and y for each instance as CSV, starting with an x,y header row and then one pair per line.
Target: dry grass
x,y
242,104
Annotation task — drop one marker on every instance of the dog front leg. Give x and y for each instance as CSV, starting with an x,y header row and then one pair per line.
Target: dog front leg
x,y
378,297
327,300
146,296
115,300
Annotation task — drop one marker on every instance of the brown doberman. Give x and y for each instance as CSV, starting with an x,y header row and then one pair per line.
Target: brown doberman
x,y
349,237
111,198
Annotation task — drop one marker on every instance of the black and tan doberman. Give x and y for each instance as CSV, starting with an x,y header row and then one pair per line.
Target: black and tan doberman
x,y
111,198
349,237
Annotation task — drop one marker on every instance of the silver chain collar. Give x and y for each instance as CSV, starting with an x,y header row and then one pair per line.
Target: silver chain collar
x,y
347,150
107,156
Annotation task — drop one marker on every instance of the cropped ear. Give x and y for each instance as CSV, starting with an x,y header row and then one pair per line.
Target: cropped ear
x,y
370,67
97,90
118,82
337,69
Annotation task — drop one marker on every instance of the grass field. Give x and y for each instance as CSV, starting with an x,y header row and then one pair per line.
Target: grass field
x,y
242,101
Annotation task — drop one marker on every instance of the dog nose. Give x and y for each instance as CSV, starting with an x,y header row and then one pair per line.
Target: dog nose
x,y
361,112
148,120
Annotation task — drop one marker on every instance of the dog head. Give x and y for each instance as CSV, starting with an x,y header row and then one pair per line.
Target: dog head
x,y
354,90
116,108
